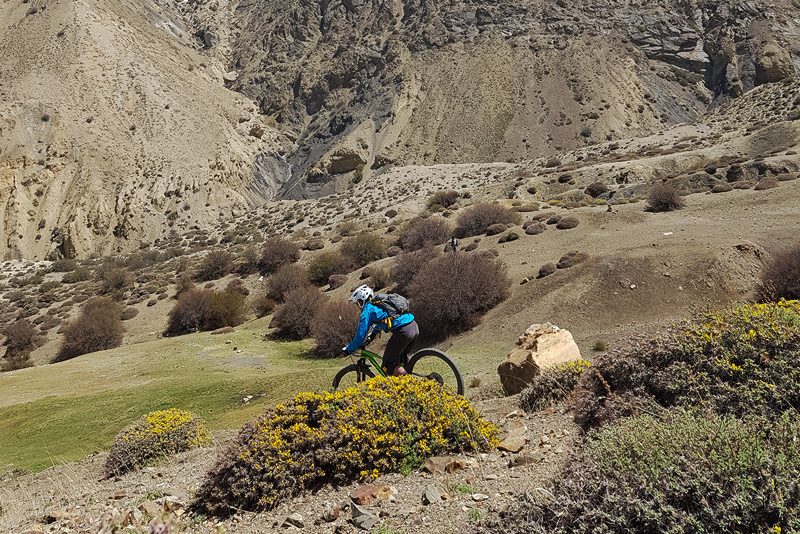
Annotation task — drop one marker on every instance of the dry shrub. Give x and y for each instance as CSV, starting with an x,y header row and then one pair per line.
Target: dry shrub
x,y
722,188
276,252
595,189
324,265
495,229
347,228
63,265
293,318
571,259
780,278
663,196
155,435
333,327
732,362
442,199
99,327
261,304
450,293
362,249
248,262
21,338
129,313
214,265
205,309
183,284
421,232
766,183
554,384
285,279
546,270
407,265
535,228
380,279
379,426
115,281
567,223
476,219
510,236
670,473
80,274
336,281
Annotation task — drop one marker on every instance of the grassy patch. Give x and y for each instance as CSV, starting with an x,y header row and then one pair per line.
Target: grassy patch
x,y
62,412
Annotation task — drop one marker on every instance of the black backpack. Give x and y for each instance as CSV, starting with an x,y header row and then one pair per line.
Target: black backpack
x,y
393,304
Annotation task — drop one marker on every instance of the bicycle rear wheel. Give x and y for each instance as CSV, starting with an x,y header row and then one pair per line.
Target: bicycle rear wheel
x,y
351,375
435,365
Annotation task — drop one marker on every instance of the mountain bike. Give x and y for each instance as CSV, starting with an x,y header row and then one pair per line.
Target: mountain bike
x,y
426,364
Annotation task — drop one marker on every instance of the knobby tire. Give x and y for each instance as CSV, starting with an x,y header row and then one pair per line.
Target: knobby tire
x,y
431,362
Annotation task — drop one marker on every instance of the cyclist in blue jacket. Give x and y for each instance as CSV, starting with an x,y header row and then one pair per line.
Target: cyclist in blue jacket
x,y
403,328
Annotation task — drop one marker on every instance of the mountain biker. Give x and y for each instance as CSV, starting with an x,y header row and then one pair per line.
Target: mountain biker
x,y
403,328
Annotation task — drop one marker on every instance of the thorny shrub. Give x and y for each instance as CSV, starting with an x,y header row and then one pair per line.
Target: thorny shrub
x,y
595,189
476,219
452,292
442,199
276,252
205,309
333,326
286,278
114,281
420,232
324,265
362,249
570,259
742,361
781,276
567,223
21,338
663,197
553,385
685,472
98,327
214,265
407,265
378,426
155,435
293,319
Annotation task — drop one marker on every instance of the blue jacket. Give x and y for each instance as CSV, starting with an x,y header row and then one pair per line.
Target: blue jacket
x,y
372,315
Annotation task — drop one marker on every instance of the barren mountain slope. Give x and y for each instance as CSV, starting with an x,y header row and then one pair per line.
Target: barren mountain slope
x,y
113,131
370,83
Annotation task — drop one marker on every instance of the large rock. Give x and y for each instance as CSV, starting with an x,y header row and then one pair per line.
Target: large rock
x,y
540,347
773,64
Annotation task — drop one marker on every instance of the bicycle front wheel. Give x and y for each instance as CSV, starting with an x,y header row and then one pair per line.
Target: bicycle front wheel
x,y
433,364
351,375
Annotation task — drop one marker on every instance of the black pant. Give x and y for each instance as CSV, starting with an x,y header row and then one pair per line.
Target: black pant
x,y
399,345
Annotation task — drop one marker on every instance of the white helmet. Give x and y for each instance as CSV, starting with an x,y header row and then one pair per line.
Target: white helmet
x,y
361,295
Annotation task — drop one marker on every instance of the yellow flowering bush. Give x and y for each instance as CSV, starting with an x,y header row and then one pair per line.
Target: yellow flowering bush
x,y
740,361
552,386
157,434
381,425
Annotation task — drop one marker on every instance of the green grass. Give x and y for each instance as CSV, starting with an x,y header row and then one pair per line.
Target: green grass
x,y
62,412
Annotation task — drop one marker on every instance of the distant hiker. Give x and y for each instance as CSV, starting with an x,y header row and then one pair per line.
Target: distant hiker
x,y
451,245
388,313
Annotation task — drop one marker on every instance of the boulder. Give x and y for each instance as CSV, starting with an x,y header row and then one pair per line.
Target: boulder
x,y
540,347
773,64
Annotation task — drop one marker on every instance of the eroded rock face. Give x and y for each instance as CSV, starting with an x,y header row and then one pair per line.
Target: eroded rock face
x,y
540,347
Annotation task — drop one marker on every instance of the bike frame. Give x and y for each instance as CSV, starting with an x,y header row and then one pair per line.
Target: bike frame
x,y
373,358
